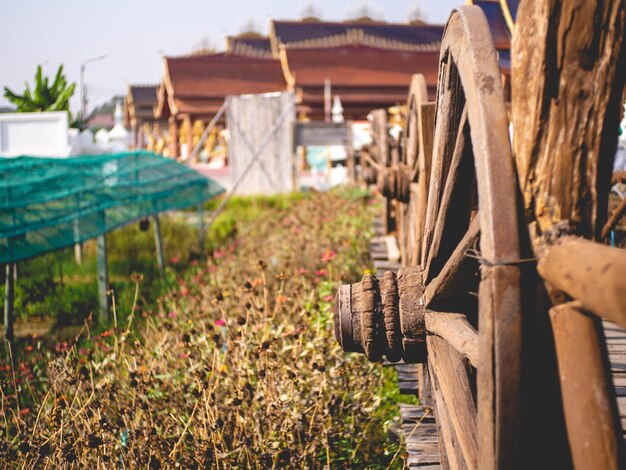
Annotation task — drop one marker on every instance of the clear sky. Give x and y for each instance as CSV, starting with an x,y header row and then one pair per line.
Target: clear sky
x,y
134,34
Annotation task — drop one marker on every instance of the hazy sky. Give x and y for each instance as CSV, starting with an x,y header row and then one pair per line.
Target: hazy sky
x,y
134,34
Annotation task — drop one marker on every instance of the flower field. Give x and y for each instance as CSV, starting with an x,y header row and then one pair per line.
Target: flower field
x,y
235,367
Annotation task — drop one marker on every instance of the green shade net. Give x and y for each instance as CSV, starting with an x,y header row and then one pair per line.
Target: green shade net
x,y
52,203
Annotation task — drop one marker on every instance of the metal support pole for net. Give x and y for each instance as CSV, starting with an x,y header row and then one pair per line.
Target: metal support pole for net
x,y
104,302
9,294
256,155
158,242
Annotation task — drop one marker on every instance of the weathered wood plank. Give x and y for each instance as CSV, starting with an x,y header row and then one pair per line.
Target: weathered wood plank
x,y
567,81
420,433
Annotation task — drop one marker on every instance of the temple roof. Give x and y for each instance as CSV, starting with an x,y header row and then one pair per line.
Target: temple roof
x,y
140,102
197,85
358,65
364,77
319,34
249,45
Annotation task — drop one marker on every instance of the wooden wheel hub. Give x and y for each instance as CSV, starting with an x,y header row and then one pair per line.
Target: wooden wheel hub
x,y
395,182
383,317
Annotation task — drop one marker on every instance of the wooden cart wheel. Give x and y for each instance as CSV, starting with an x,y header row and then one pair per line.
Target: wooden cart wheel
x,y
380,153
468,274
416,160
472,195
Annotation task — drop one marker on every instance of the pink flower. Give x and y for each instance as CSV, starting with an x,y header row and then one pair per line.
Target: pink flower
x,y
172,314
321,272
327,298
174,259
302,271
183,355
328,256
220,322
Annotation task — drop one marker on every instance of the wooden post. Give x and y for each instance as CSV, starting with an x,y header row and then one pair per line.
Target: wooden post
x,y
173,138
104,302
188,127
567,81
158,243
78,248
133,135
139,136
591,413
8,301
350,155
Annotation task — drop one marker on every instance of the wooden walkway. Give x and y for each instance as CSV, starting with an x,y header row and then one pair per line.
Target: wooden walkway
x,y
616,345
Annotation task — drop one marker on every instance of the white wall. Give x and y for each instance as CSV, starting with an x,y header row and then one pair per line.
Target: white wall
x,y
42,134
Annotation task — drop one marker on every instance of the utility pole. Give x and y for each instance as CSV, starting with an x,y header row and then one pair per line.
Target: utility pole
x,y
83,85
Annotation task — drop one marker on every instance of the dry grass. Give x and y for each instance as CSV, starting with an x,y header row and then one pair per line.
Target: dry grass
x,y
238,367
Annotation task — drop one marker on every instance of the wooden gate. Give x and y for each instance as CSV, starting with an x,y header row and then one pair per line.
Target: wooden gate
x,y
261,142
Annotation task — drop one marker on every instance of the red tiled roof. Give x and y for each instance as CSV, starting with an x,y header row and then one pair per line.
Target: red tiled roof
x,y
140,102
360,66
247,45
316,34
363,77
197,84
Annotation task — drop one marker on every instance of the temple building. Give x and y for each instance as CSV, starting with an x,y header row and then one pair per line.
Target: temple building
x,y
368,64
139,107
249,44
363,77
195,87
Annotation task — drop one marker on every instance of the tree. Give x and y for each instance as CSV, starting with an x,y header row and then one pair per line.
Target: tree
x,y
364,13
311,13
44,97
416,14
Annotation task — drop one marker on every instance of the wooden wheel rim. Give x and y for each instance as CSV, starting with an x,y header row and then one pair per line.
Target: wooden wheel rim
x,y
468,51
411,214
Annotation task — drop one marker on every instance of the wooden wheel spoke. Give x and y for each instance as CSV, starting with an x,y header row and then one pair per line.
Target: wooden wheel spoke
x,y
457,331
451,174
453,278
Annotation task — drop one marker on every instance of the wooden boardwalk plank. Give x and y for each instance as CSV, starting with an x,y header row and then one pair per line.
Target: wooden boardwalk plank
x,y
420,431
616,345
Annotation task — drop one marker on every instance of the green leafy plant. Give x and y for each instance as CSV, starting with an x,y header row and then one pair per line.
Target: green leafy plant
x,y
44,96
